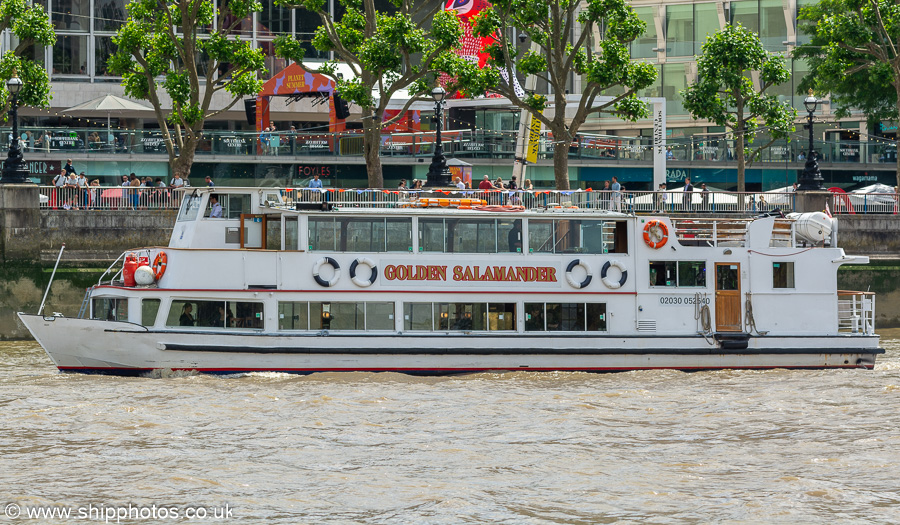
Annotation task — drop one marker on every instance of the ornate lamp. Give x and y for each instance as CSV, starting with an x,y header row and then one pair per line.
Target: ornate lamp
x,y
438,174
811,178
14,169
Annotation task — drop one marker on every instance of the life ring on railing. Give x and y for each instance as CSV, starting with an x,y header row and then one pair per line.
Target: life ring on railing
x,y
613,284
658,230
571,280
159,265
337,271
362,282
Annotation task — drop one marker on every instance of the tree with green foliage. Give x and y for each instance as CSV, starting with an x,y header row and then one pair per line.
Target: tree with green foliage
x,y
386,52
588,39
29,25
853,55
188,51
725,93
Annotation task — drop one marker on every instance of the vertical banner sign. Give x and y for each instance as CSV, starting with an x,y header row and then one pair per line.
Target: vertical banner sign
x,y
534,140
659,146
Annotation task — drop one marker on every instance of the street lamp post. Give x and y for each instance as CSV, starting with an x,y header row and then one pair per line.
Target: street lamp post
x,y
14,169
811,178
438,174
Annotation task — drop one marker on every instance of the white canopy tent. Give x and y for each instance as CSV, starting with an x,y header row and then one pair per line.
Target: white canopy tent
x,y
110,104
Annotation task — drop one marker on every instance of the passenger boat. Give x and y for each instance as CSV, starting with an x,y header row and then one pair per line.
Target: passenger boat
x,y
293,281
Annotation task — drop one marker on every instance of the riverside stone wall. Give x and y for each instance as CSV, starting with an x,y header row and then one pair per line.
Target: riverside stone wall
x,y
97,236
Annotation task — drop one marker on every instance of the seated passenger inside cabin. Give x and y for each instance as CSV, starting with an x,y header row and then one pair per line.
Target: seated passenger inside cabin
x,y
186,318
514,237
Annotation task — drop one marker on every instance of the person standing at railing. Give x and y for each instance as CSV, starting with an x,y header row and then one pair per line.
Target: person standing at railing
x,y
315,183
94,191
616,194
274,140
604,196
688,194
704,197
661,197
83,190
71,192
58,182
460,185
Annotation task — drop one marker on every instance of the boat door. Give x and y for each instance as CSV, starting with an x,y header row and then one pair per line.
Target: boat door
x,y
253,231
728,297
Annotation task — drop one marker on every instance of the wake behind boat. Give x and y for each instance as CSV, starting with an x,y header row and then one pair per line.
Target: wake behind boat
x,y
438,284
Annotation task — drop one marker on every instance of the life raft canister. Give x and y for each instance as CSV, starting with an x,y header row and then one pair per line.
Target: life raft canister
x,y
128,268
571,280
337,272
656,234
159,265
372,276
612,285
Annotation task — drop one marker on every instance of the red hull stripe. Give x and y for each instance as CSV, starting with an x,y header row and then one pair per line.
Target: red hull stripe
x,y
457,370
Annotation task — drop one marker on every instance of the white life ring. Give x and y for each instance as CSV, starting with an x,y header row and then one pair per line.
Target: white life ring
x,y
571,280
607,281
372,275
337,271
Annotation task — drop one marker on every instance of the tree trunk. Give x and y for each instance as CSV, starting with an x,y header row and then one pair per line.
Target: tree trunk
x,y
739,155
372,149
561,163
183,162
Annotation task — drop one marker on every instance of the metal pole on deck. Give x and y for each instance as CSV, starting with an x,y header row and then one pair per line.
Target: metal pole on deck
x,y
47,291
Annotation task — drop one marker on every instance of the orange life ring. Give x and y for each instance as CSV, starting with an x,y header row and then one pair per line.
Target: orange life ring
x,y
659,230
159,265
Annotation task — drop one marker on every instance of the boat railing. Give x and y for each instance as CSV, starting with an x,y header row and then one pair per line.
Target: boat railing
x,y
672,202
116,268
727,232
856,312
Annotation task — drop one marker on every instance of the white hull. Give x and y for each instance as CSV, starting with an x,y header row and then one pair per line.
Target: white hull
x,y
81,345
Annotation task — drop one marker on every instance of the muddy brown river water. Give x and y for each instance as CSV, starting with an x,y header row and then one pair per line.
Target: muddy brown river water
x,y
651,447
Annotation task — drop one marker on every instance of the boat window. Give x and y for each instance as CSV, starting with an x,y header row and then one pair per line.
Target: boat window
x,y
190,208
379,316
335,315
324,235
291,233
782,275
233,205
692,273
376,235
215,314
459,316
569,317
431,235
351,234
293,316
110,309
418,316
678,273
470,235
502,316
149,309
576,236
